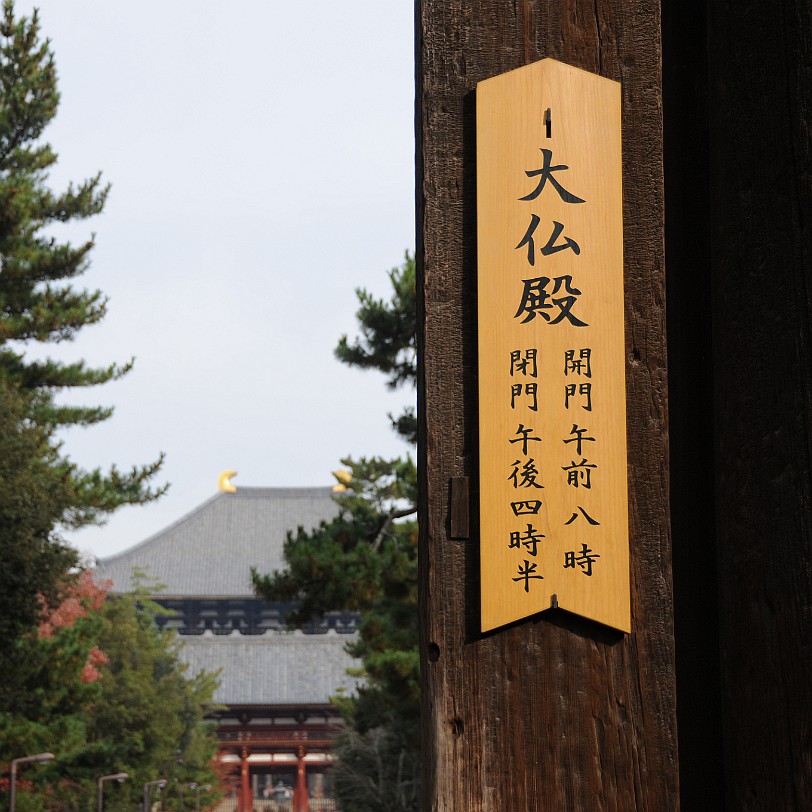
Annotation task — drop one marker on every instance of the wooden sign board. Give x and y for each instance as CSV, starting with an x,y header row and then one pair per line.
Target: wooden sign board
x,y
552,395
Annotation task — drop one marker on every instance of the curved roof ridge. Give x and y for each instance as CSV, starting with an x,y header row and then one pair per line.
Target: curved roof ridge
x,y
149,540
245,490
292,488
211,549
304,490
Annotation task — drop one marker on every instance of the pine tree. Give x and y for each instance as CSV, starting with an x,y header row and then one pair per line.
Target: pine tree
x,y
366,560
38,301
33,493
52,685
388,339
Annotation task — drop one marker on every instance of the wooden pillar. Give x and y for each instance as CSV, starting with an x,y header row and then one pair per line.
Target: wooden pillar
x,y
246,801
300,794
763,268
554,712
738,92
760,97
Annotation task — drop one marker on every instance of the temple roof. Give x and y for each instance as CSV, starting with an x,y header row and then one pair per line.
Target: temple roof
x,y
273,668
210,551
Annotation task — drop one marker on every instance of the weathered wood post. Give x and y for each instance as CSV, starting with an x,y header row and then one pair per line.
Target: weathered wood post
x,y
738,95
554,712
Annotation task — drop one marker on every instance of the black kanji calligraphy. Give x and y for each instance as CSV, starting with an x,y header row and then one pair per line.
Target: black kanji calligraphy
x,y
529,538
529,507
530,392
550,246
584,559
579,438
590,520
582,390
526,573
536,301
546,174
580,364
579,474
524,363
525,474
523,437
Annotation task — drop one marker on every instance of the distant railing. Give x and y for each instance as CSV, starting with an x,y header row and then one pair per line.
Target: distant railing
x,y
322,805
268,805
248,616
313,805
228,804
315,738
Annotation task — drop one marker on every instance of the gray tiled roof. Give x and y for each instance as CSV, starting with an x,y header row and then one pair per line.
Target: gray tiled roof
x,y
272,669
210,551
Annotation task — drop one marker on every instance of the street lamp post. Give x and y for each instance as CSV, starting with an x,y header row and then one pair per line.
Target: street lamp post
x,y
23,760
180,794
205,788
100,782
159,783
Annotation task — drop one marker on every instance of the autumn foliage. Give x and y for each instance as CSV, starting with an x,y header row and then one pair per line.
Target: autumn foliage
x,y
106,692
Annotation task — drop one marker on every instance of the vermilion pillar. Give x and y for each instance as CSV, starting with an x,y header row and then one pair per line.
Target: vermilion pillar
x,y
246,802
300,798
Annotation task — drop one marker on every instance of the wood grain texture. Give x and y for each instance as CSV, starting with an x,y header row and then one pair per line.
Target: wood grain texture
x,y
557,400
554,713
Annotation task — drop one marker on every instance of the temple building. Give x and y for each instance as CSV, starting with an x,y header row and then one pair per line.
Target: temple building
x,y
276,726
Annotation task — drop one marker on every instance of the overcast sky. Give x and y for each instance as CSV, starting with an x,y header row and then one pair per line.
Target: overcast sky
x,y
261,156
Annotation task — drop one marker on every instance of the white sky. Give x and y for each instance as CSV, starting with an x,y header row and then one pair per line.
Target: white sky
x,y
262,162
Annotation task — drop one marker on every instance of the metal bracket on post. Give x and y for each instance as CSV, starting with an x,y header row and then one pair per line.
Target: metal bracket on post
x,y
459,507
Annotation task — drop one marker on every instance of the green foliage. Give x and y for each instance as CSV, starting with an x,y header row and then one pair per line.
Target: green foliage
x,y
32,303
150,711
345,562
375,772
388,338
32,492
388,329
60,686
92,681
110,695
38,302
40,488
366,560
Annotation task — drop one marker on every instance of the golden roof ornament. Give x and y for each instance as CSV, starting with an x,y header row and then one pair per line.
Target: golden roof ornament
x,y
343,478
224,482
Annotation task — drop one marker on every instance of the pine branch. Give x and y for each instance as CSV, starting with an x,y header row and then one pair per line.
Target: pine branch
x,y
395,514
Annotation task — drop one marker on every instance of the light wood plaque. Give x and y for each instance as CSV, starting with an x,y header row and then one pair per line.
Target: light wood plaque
x,y
552,408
